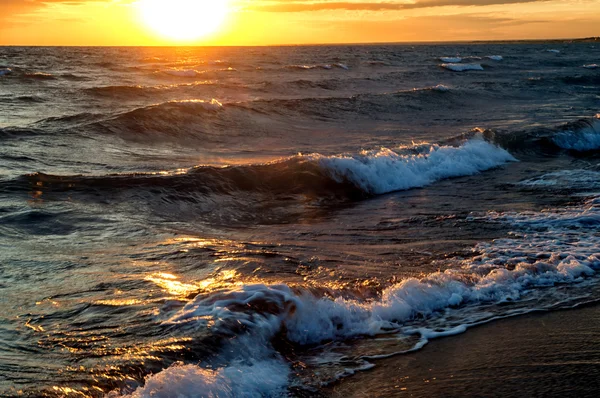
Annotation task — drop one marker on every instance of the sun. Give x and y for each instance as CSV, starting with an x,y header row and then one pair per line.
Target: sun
x,y
183,20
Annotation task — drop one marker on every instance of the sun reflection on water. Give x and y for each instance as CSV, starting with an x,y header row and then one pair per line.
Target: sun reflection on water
x,y
174,287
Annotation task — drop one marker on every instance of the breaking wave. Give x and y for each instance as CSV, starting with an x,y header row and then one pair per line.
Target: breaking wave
x,y
350,175
551,248
581,136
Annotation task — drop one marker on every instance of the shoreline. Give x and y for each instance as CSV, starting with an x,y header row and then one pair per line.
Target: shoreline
x,y
542,354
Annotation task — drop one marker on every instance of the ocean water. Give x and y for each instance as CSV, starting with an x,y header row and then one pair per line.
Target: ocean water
x,y
267,221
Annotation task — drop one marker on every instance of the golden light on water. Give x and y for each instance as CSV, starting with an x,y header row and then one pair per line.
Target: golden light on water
x,y
170,283
183,20
172,286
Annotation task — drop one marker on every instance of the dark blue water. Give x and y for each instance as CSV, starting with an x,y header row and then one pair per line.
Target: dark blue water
x,y
265,221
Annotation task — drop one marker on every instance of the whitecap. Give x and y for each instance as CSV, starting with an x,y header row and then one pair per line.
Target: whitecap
x,y
384,170
441,88
451,59
462,67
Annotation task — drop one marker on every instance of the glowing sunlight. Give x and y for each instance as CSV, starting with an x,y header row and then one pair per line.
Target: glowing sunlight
x,y
183,20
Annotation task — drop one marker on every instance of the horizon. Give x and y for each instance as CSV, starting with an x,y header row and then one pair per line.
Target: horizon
x,y
399,43
243,23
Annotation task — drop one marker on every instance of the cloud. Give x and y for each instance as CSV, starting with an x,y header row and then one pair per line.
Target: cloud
x,y
15,8
306,6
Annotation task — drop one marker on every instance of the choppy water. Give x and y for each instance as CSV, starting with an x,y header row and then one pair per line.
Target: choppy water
x,y
265,221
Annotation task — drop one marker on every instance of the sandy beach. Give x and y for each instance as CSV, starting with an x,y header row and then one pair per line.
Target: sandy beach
x,y
547,354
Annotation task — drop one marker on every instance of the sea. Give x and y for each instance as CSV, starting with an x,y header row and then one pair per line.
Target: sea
x,y
269,221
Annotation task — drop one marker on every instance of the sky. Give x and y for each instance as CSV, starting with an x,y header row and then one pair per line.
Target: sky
x,y
267,22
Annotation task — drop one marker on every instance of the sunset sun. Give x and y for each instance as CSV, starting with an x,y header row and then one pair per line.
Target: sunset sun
x,y
183,20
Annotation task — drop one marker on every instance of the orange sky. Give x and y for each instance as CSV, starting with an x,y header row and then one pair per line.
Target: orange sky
x,y
263,22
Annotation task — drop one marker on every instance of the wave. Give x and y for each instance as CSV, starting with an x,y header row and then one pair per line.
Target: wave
x,y
120,90
451,60
495,57
382,171
39,76
347,176
318,66
591,66
197,119
503,279
8,133
5,71
253,379
22,99
581,136
183,72
193,72
462,67
441,88
577,179
377,63
135,91
74,77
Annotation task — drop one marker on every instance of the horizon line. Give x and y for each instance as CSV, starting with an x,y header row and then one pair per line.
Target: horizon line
x,y
576,39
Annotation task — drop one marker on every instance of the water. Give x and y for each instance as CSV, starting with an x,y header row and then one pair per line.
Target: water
x,y
266,221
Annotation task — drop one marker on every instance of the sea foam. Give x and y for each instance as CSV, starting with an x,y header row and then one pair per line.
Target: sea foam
x,y
384,170
256,379
451,59
553,248
462,67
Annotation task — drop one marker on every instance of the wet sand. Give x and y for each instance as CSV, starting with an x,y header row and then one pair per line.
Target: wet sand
x,y
550,354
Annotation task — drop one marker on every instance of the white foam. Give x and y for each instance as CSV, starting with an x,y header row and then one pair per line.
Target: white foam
x,y
341,66
553,51
451,59
554,248
495,57
462,67
259,379
586,138
385,171
441,88
591,66
569,219
563,179
505,270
